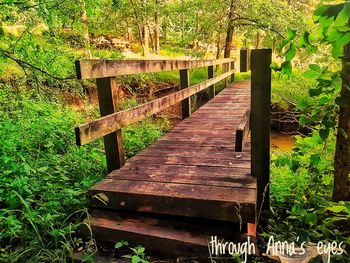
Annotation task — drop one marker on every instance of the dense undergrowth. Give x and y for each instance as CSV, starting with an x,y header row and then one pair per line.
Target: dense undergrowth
x,y
45,176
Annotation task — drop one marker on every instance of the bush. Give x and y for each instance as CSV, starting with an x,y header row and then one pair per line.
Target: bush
x,y
44,177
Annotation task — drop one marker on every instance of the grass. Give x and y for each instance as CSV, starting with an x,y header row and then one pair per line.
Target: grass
x,y
45,177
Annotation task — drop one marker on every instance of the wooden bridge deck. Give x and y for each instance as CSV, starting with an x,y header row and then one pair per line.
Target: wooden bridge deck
x,y
191,171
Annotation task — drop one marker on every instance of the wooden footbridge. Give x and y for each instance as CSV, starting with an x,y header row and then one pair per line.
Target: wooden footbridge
x,y
207,177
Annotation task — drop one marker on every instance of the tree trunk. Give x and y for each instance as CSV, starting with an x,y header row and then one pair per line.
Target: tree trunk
x,y
229,32
144,40
156,45
341,190
86,34
257,40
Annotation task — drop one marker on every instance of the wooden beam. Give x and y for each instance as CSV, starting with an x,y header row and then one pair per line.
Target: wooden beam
x,y
107,89
243,60
232,68
260,123
91,131
185,103
242,131
100,68
211,89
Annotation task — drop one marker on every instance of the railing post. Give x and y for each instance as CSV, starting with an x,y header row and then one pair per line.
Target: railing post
x,y
233,74
211,89
243,60
225,68
184,83
107,90
260,124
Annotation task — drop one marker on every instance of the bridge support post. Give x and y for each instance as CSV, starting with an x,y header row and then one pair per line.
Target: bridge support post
x,y
233,74
243,60
184,83
211,89
107,90
260,124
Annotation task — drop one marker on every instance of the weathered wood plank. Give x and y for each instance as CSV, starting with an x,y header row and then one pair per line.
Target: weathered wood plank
x,y
177,238
260,122
107,89
205,162
186,102
243,60
101,68
220,203
211,89
242,131
158,176
110,123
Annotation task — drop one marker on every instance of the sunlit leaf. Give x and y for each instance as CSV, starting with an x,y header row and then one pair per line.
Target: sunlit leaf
x,y
291,52
291,34
343,16
286,68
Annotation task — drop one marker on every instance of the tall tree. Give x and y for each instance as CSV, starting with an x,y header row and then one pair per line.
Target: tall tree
x,y
341,189
229,31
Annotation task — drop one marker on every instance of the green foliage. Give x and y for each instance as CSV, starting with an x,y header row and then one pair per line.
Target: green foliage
x,y
140,135
44,177
138,253
301,187
290,91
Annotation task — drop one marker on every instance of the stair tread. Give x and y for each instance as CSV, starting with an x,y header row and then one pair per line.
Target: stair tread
x,y
165,236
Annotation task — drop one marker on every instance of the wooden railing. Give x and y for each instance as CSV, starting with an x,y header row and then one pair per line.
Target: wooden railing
x,y
112,120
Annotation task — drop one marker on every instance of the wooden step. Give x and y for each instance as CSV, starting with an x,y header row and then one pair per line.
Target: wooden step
x,y
231,201
165,237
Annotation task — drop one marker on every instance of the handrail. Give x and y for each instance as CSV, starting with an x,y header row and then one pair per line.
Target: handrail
x,y
112,120
102,68
105,125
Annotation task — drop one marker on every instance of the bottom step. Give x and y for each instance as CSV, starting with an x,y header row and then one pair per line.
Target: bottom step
x,y
168,237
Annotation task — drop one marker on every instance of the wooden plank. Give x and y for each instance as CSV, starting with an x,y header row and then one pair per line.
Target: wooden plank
x,y
110,123
185,103
211,202
157,176
220,172
233,75
101,68
107,89
211,89
260,123
185,238
243,60
204,162
242,131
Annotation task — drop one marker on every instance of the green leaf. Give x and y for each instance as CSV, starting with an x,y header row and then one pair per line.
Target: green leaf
x,y
291,34
286,68
274,66
323,100
333,34
343,16
302,104
303,121
135,259
291,52
324,133
304,39
337,208
311,219
320,10
337,50
315,92
315,68
121,243
310,74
